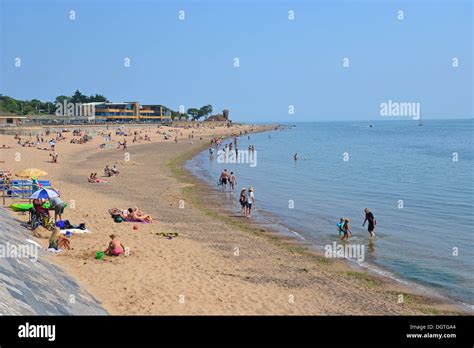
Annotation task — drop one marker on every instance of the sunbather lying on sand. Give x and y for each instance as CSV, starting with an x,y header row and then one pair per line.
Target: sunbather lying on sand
x,y
115,247
115,212
136,215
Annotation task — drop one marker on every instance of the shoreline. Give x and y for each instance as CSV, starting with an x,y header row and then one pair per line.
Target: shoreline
x,y
292,237
288,242
200,264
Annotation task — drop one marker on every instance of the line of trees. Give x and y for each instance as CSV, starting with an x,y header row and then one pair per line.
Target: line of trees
x,y
37,107
193,113
197,114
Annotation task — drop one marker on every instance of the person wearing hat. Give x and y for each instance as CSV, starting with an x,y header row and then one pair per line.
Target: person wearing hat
x,y
250,201
35,185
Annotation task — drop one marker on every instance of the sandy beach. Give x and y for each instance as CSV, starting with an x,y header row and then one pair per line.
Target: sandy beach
x,y
219,264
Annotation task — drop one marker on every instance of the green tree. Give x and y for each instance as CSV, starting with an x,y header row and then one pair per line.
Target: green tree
x,y
205,111
60,99
10,105
97,98
194,113
78,97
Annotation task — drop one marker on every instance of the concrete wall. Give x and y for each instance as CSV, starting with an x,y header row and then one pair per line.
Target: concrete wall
x,y
37,287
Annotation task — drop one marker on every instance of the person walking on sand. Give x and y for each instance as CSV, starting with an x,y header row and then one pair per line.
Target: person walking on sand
x,y
250,201
232,181
223,179
372,222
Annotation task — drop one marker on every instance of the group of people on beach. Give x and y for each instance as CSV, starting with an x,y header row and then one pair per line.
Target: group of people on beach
x,y
345,230
130,215
111,171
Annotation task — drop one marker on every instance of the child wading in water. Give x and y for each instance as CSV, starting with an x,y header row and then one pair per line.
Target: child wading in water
x,y
115,247
340,226
346,229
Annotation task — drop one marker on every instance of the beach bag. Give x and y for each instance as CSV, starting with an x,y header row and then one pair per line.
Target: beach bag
x,y
60,224
82,226
118,219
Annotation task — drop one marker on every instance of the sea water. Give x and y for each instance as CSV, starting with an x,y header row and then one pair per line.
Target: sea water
x,y
417,181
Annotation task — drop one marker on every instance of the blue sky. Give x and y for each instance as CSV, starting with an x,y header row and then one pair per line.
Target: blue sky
x,y
282,62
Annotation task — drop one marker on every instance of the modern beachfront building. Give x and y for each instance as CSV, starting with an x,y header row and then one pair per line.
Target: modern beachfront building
x,y
129,112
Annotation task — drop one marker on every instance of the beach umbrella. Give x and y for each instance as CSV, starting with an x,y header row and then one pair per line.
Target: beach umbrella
x,y
44,193
31,172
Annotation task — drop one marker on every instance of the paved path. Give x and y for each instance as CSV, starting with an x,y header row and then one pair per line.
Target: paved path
x,y
39,287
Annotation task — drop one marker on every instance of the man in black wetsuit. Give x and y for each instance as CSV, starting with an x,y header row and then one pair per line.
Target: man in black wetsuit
x,y
372,222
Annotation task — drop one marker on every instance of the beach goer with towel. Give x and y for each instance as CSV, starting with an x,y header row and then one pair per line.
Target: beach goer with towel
x,y
372,222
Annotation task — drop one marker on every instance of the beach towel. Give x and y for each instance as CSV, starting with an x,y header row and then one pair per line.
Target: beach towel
x,y
137,221
75,230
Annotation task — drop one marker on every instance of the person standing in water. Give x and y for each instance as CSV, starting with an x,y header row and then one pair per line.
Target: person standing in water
x,y
346,229
340,226
250,201
295,156
372,222
232,181
223,179
243,201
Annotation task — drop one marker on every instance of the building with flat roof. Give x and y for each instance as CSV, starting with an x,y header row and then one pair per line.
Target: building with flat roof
x,y
130,111
10,120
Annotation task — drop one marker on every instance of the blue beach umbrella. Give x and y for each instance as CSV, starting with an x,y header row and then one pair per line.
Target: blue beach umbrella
x,y
44,193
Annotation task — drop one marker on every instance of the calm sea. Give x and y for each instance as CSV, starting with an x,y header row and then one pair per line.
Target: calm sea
x,y
417,180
